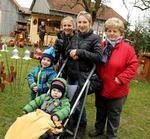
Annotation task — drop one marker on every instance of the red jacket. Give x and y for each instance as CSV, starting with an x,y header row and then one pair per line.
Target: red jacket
x,y
122,64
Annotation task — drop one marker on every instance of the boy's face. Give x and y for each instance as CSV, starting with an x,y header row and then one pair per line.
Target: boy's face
x,y
56,93
113,33
45,62
67,27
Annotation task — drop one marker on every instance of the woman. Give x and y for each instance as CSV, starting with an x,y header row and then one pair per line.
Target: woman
x,y
118,68
83,51
64,38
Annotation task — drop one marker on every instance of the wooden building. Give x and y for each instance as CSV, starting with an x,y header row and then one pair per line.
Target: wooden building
x,y
13,17
52,11
146,63
143,70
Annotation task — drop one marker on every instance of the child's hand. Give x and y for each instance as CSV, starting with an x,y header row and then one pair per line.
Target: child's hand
x,y
24,113
55,118
35,89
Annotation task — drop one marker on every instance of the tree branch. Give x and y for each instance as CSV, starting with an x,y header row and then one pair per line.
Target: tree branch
x,y
142,4
142,9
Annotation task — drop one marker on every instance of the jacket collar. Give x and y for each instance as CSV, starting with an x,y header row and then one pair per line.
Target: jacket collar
x,y
84,35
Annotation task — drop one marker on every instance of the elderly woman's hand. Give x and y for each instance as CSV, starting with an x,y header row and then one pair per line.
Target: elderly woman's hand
x,y
117,81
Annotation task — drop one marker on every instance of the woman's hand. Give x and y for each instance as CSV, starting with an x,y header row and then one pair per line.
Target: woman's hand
x,y
73,54
117,81
56,67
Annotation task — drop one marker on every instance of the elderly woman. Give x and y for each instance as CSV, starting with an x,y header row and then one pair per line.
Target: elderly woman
x,y
118,68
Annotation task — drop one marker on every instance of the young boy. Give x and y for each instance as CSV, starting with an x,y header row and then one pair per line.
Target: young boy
x,y
51,109
40,77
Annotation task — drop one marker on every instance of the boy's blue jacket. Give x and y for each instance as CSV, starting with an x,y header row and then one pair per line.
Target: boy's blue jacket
x,y
42,78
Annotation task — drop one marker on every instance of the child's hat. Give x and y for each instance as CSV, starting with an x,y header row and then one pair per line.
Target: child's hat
x,y
58,84
49,52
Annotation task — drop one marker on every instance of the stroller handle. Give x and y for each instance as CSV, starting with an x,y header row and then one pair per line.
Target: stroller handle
x,y
62,67
83,88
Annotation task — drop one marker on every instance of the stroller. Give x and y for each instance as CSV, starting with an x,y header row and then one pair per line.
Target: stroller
x,y
74,99
32,120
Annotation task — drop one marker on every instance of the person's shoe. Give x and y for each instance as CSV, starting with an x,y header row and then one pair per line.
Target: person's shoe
x,y
110,137
95,133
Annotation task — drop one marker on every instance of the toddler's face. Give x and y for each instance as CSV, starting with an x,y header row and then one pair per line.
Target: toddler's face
x,y
113,33
45,62
67,27
56,93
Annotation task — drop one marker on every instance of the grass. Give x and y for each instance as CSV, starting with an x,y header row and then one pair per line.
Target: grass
x,y
135,119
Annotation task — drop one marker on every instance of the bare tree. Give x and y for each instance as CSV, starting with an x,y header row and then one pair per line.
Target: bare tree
x,y
129,10
142,4
91,6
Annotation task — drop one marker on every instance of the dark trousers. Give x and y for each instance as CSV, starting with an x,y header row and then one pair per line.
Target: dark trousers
x,y
108,113
83,121
41,40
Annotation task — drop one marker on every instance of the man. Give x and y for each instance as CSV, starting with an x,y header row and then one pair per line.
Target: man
x,y
42,31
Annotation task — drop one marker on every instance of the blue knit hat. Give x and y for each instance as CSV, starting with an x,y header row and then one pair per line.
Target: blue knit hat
x,y
49,52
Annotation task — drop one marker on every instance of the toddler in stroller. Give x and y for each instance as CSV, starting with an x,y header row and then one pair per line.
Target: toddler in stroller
x,y
47,122
76,93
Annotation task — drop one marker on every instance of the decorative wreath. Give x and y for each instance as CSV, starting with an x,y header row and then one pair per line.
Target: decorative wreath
x,y
34,21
